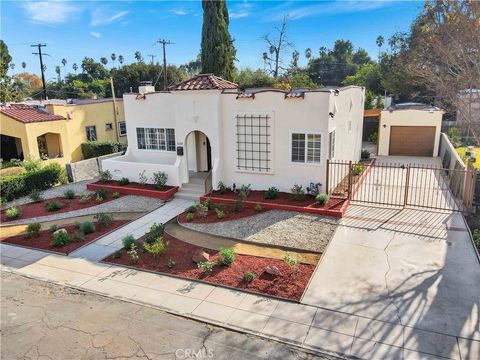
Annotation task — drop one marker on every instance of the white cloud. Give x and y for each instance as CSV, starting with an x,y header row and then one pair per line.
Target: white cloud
x,y
179,12
240,11
50,12
95,34
238,15
100,17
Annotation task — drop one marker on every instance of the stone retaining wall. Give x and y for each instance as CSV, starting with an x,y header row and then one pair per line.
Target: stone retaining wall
x,y
87,169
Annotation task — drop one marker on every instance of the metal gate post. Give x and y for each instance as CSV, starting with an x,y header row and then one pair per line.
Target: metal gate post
x,y
407,184
327,178
350,180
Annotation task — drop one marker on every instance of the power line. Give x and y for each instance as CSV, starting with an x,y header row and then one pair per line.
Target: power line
x,y
152,57
164,43
39,53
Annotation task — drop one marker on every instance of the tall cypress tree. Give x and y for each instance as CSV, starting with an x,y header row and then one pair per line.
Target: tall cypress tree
x,y
218,52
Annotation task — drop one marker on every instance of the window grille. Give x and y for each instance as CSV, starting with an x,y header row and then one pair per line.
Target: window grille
x,y
253,143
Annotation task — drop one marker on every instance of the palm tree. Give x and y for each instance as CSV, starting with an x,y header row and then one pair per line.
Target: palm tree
x,y
104,60
57,70
12,66
113,57
64,63
380,40
308,53
75,67
138,56
121,59
24,65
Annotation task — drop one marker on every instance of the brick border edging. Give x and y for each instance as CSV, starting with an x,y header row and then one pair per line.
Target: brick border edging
x,y
126,190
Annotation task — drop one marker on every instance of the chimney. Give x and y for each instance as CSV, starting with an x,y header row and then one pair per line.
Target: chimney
x,y
146,87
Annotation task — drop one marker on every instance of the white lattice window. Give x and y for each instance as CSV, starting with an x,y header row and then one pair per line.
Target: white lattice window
x,y
253,143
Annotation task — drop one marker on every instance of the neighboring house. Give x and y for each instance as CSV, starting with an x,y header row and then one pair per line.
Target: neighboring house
x,y
469,100
263,137
57,129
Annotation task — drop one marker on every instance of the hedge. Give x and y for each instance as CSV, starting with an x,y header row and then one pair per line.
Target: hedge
x,y
93,149
15,186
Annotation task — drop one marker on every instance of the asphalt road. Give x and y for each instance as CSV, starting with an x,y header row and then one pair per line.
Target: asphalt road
x,y
40,320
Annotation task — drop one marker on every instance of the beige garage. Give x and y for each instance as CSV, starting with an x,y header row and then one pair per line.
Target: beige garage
x,y
410,130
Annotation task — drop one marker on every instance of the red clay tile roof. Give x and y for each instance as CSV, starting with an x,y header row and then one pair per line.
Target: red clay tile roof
x,y
28,114
204,82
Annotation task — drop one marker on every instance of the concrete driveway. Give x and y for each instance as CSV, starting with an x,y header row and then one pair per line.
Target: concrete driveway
x,y
413,267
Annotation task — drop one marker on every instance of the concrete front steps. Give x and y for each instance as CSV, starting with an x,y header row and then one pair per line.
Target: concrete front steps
x,y
194,188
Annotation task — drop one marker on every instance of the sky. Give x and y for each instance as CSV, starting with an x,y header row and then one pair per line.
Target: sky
x,y
75,29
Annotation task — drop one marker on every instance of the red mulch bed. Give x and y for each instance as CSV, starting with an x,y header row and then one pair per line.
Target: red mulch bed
x,y
135,185
36,209
212,216
290,285
44,240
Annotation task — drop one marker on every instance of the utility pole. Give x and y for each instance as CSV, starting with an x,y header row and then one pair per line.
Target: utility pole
x,y
164,42
39,46
152,57
114,109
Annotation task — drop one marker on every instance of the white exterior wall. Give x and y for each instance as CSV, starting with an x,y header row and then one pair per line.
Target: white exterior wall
x,y
407,117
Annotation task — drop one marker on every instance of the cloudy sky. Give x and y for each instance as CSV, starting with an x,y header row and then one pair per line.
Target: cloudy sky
x,y
75,29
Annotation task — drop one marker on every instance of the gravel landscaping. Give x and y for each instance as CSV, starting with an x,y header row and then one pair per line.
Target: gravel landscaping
x,y
284,228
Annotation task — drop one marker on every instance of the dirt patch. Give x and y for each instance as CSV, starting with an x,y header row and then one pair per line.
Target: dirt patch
x,y
44,240
290,285
37,209
135,185
211,216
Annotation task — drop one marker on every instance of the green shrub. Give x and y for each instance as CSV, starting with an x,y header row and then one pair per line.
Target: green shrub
x,y
69,194
53,228
373,137
322,198
93,149
78,236
271,193
157,248
222,188
171,264
105,176
105,220
297,192
142,178
100,194
124,181
36,195
32,165
85,198
365,154
218,206
60,238
357,169
133,253
15,186
249,276
34,229
476,238
13,213
160,179
202,210
227,257
238,205
155,232
189,216
191,208
290,259
208,203
220,214
115,195
53,206
258,207
244,191
128,241
205,266
87,227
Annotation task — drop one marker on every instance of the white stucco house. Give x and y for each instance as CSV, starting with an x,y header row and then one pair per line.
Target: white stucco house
x,y
263,137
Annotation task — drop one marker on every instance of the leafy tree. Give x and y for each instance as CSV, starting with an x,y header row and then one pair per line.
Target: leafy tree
x,y
5,59
277,47
218,52
93,69
249,78
369,76
193,66
380,40
298,80
295,59
308,53
113,57
24,65
64,62
57,71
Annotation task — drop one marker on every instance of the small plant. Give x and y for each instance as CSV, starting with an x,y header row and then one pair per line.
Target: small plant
x,y
218,206
118,254
476,238
36,195
222,188
171,264
220,214
357,169
53,228
127,241
60,238
160,179
34,229
191,208
271,193
322,199
249,276
157,248
373,137
189,216
78,236
155,232
290,259
238,205
124,181
227,257
202,210
244,191
115,195
142,178
105,220
87,227
105,176
208,203
258,207
100,194
365,154
69,194
133,253
205,266
13,213
85,198
297,192
53,206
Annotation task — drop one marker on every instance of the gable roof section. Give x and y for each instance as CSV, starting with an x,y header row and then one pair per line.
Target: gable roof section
x,y
28,114
203,82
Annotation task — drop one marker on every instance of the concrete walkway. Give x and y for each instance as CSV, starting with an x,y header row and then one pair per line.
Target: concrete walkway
x,y
417,294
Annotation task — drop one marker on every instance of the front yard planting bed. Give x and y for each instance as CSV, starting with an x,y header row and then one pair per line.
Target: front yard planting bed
x,y
289,285
134,188
284,201
39,208
44,239
211,216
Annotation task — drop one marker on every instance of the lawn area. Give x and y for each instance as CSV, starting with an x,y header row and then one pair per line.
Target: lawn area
x,y
461,151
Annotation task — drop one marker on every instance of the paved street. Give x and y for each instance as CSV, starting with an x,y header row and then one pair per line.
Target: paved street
x,y
46,321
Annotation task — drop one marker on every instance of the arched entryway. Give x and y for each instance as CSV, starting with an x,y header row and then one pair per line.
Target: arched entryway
x,y
199,152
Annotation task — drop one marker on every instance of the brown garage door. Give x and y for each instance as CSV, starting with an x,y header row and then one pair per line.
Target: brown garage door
x,y
412,140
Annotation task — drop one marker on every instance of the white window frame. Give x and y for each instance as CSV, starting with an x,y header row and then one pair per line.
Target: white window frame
x,y
158,136
306,133
119,128
334,143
